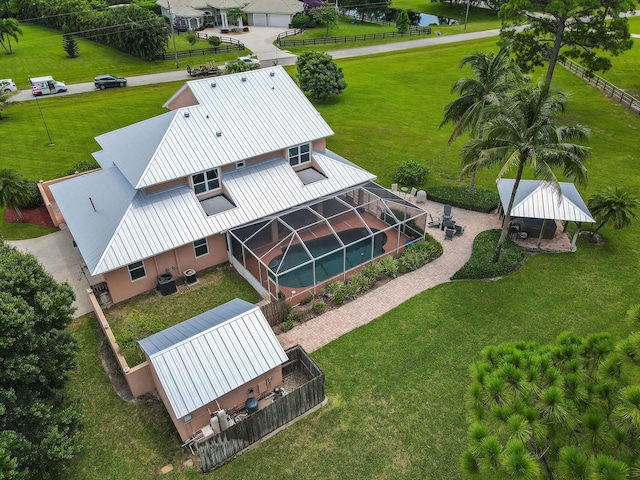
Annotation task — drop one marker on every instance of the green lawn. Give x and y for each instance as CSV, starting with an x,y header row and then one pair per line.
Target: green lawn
x,y
39,52
396,385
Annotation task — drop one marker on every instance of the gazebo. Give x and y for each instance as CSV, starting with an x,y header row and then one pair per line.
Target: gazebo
x,y
537,201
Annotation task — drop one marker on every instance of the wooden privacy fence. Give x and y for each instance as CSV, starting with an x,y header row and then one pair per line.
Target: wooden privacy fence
x,y
275,312
605,86
221,448
417,31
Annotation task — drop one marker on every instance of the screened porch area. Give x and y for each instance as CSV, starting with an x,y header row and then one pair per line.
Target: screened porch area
x,y
298,252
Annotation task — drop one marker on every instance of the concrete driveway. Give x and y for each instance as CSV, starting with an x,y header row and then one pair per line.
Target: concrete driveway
x,y
63,261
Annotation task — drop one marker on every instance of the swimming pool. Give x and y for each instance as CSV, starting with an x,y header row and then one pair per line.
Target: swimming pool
x,y
360,249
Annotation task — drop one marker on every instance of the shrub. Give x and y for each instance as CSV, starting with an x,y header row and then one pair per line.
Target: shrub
x,y
239,66
359,282
389,266
318,308
419,254
480,200
335,292
306,300
295,317
351,291
214,41
192,37
287,325
300,20
411,173
81,166
481,264
373,271
35,199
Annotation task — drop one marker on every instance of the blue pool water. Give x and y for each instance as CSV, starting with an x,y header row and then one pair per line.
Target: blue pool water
x,y
358,251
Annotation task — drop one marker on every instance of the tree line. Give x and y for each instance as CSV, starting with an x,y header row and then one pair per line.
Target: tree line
x,y
130,28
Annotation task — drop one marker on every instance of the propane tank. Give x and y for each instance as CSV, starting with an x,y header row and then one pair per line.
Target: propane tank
x,y
222,419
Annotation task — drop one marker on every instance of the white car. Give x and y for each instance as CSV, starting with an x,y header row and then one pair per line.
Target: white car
x,y
249,60
7,86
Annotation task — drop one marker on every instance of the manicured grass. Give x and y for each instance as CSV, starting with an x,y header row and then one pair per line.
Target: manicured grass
x,y
39,52
146,314
395,386
625,72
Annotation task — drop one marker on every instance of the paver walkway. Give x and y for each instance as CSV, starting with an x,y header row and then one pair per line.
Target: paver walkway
x,y
325,328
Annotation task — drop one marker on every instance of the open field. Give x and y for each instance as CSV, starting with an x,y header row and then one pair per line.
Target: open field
x,y
395,386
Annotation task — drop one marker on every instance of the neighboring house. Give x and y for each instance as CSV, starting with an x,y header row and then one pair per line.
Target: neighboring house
x,y
216,360
234,152
192,14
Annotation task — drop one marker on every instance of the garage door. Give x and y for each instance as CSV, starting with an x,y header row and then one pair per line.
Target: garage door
x,y
260,19
279,20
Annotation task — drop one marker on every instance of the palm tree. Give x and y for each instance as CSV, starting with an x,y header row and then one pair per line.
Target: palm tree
x,y
9,27
14,190
521,132
493,77
613,204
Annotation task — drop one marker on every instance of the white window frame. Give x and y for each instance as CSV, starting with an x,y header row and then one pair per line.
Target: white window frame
x,y
299,157
134,267
209,183
200,245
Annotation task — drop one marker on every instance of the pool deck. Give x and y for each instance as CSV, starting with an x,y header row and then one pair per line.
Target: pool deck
x,y
325,328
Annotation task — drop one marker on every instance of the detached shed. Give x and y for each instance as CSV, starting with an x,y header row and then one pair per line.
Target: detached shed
x,y
217,359
537,201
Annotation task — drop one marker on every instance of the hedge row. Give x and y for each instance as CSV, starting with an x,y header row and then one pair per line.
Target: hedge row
x,y
480,200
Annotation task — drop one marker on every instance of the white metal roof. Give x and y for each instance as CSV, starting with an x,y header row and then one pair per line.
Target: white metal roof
x,y
243,116
539,199
218,356
143,225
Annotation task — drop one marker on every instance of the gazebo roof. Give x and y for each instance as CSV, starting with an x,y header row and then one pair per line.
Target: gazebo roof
x,y
539,199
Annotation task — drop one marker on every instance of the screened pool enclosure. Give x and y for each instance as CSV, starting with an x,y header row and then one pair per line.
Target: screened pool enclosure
x,y
296,253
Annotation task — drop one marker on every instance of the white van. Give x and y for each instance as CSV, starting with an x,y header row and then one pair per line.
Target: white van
x,y
46,85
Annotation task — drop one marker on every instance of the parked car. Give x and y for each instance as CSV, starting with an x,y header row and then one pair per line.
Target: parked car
x,y
7,86
249,60
108,81
46,85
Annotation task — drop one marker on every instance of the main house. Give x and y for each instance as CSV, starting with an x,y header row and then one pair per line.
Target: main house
x,y
237,171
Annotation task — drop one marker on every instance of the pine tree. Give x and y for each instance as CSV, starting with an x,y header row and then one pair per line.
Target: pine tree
x,y
70,45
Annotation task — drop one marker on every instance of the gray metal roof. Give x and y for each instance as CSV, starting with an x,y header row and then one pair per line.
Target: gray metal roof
x,y
287,7
212,354
538,199
139,225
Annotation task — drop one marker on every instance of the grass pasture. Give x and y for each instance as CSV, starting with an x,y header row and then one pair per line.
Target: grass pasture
x,y
395,386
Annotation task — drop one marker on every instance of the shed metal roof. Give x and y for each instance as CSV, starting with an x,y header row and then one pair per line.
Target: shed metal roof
x,y
539,199
129,225
200,360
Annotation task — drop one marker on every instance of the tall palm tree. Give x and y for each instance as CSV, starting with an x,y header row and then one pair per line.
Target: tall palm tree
x,y
9,27
14,190
521,132
613,204
493,77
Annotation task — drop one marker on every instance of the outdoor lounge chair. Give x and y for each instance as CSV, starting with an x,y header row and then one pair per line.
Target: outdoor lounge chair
x,y
448,213
434,222
449,233
460,229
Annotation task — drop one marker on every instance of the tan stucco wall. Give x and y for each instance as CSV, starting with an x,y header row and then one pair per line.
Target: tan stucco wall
x,y
232,400
177,261
184,99
162,186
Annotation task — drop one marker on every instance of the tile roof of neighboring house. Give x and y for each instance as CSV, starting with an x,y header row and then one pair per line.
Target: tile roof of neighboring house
x,y
207,356
195,8
148,224
274,6
538,199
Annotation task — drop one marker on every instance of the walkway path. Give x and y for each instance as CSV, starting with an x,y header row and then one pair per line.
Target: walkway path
x,y
325,328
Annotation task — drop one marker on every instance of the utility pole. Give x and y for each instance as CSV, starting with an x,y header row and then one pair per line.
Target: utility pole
x,y
466,15
175,51
42,116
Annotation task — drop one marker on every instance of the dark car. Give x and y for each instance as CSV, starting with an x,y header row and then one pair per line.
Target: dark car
x,y
108,81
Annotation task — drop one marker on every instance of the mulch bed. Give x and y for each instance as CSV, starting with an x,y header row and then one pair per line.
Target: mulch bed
x,y
35,216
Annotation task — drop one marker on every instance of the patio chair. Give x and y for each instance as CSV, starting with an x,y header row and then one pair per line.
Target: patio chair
x,y
460,229
413,191
394,187
434,222
448,213
449,233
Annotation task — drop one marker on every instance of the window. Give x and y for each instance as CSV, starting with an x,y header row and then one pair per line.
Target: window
x,y
137,271
240,164
200,247
299,154
205,181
